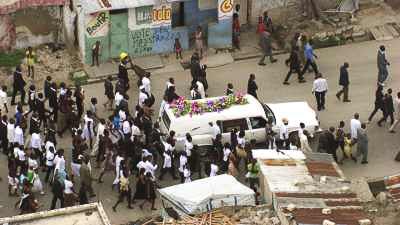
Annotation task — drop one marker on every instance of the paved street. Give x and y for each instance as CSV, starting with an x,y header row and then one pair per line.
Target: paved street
x,y
363,75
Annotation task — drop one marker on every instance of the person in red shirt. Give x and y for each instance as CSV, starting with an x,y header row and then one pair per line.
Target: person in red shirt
x,y
236,31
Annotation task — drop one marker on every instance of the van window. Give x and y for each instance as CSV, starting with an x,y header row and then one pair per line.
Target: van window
x,y
238,124
257,122
166,120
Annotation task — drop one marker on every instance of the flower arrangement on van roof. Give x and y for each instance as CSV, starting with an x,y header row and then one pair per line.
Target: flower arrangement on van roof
x,y
182,106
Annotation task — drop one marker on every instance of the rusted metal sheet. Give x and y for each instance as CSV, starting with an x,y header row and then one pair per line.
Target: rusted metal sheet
x,y
316,195
322,169
339,216
10,6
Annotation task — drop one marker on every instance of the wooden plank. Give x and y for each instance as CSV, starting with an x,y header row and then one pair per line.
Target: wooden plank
x,y
376,33
391,30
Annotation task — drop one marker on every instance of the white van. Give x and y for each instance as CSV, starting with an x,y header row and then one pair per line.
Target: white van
x,y
252,117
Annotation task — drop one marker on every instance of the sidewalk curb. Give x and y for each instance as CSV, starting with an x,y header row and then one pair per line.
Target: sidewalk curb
x,y
237,58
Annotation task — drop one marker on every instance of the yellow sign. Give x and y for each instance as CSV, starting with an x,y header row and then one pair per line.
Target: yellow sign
x,y
225,9
226,6
162,15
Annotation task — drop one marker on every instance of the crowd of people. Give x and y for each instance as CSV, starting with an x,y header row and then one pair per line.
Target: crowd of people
x,y
129,146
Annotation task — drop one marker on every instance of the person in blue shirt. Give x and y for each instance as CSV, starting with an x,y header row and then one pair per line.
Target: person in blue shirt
x,y
310,58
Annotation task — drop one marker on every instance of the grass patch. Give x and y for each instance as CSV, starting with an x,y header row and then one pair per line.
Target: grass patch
x,y
11,59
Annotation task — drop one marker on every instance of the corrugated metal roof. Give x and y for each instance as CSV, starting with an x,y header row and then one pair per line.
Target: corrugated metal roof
x,y
92,6
339,216
322,169
392,184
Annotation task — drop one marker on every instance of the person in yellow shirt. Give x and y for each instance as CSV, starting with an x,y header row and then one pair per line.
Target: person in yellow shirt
x,y
30,61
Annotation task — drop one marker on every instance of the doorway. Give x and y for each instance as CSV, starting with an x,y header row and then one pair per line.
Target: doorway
x,y
118,32
178,14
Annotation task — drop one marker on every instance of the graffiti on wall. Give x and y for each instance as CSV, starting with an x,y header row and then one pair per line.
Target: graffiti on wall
x,y
164,34
225,9
141,41
162,15
97,24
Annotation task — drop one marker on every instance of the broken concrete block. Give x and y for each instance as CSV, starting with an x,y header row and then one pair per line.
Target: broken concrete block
x,y
382,199
322,179
326,211
364,222
291,207
328,222
275,221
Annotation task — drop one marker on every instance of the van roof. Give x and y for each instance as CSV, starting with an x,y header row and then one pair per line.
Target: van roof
x,y
252,109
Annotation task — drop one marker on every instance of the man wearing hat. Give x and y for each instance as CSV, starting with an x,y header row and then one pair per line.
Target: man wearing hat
x,y
123,71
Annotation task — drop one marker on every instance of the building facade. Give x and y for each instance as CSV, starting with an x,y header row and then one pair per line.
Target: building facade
x,y
147,27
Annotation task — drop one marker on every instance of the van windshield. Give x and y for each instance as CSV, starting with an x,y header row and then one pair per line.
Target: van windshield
x,y
166,120
269,114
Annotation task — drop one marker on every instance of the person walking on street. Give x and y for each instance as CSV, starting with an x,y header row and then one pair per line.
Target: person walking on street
x,y
362,144
266,46
252,86
388,108
355,124
294,64
331,143
379,104
344,82
320,87
397,108
18,85
382,65
310,58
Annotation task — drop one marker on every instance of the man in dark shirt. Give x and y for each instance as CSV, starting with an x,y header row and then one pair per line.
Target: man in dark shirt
x,y
252,86
18,86
388,108
344,82
3,134
294,64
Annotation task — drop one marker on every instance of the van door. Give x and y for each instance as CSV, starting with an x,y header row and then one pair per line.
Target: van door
x,y
257,125
228,125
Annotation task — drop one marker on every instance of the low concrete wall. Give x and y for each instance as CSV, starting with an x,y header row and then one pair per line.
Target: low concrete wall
x,y
37,25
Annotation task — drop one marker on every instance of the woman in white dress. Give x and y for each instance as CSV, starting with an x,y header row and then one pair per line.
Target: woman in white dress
x,y
88,131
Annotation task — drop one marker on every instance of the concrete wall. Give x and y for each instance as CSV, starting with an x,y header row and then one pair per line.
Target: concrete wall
x,y
158,36
68,25
7,33
37,25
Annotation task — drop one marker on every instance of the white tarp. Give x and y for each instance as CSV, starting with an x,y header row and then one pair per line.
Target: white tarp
x,y
205,194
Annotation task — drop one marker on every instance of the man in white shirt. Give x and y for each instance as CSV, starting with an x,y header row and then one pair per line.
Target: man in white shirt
x,y
304,145
200,89
284,142
320,87
146,83
397,111
226,151
355,124
126,129
142,96
215,129
213,170
118,98
182,163
18,136
167,166
10,131
49,161
3,99
100,133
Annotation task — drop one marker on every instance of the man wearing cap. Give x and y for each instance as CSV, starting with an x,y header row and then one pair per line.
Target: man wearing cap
x,y
123,71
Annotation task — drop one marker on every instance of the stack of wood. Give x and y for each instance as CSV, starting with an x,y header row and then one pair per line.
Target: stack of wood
x,y
216,217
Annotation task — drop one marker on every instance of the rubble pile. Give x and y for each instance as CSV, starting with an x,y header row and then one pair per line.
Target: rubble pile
x,y
259,215
57,63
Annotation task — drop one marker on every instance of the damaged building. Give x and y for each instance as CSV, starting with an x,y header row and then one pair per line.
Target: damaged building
x,y
26,23
308,189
